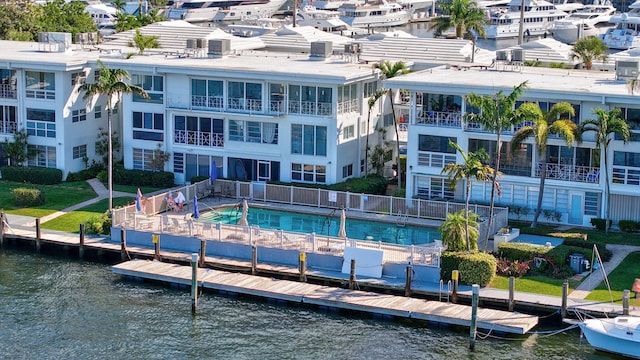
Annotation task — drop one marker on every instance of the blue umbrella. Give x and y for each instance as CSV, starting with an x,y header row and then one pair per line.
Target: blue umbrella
x,y
196,212
138,200
214,171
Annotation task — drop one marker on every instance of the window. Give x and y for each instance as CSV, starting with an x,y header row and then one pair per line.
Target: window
x,y
78,78
310,100
207,93
309,140
348,132
78,115
148,126
79,151
387,120
276,98
202,131
308,173
253,131
244,96
347,171
98,112
8,83
41,123
45,157
96,76
438,144
40,85
142,159
348,98
152,84
591,203
370,88
178,163
8,120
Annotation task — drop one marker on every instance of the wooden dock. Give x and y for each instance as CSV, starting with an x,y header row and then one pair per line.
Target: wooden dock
x,y
319,295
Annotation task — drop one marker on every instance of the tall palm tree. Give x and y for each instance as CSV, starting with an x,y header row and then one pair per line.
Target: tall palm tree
x,y
608,124
112,83
465,17
371,102
546,124
143,42
589,49
498,114
454,231
389,71
473,167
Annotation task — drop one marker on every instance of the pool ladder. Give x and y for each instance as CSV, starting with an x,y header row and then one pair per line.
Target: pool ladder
x,y
403,218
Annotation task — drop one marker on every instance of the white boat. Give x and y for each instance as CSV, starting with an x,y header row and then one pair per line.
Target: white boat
x,y
325,20
568,6
378,13
620,335
325,4
593,20
255,27
103,15
539,16
223,10
624,35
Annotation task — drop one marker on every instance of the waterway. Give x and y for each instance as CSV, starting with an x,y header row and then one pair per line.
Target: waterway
x,y
60,308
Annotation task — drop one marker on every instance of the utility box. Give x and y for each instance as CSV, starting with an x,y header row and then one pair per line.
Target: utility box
x,y
577,263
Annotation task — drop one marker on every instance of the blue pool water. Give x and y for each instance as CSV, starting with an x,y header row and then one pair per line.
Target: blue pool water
x,y
324,225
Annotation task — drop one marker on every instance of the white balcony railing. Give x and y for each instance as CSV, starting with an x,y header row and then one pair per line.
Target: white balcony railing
x,y
563,172
8,127
198,138
207,102
439,118
8,91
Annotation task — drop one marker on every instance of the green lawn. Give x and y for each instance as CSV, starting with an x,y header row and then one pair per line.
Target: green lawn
x,y
593,235
533,284
57,197
70,222
621,278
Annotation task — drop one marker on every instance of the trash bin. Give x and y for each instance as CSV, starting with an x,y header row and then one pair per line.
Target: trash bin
x,y
576,262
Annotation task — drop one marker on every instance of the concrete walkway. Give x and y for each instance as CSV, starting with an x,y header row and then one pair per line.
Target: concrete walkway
x,y
100,190
594,279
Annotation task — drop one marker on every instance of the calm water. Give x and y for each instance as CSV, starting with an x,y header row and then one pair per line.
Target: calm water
x,y
324,225
54,308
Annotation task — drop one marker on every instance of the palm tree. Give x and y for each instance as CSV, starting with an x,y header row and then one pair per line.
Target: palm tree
x,y
608,123
454,231
389,71
112,83
473,167
546,124
143,42
589,49
371,102
498,114
463,15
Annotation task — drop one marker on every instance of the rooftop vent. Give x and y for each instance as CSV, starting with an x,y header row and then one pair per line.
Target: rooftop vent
x,y
501,55
517,55
192,43
321,49
353,48
219,47
54,41
627,70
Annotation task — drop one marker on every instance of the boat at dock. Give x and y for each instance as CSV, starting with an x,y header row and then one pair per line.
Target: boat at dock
x,y
539,16
223,10
619,335
374,14
624,35
592,20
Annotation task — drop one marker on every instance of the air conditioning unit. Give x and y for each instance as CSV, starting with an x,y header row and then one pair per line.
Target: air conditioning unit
x,y
201,43
92,37
43,37
353,48
626,70
517,55
191,43
501,55
219,47
321,49
82,38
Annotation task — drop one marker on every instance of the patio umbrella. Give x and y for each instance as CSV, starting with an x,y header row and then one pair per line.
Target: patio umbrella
x,y
196,212
245,212
214,172
139,200
343,225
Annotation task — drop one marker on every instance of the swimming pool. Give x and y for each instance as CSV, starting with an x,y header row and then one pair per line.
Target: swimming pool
x,y
324,225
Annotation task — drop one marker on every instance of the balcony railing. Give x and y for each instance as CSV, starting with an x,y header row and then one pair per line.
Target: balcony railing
x,y
348,106
252,105
198,138
8,91
276,107
8,127
439,118
41,94
207,102
433,159
562,172
626,175
310,108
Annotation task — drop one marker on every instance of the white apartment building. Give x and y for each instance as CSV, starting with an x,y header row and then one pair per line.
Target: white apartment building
x,y
575,184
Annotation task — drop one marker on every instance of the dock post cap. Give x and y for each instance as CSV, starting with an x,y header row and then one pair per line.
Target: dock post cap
x,y
194,257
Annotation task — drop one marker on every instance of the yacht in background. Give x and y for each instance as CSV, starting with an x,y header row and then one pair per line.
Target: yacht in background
x,y
325,4
539,16
568,6
103,15
624,35
592,20
325,20
378,13
223,10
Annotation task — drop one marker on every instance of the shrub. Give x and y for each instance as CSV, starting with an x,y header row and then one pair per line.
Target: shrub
x,y
98,224
32,174
559,256
520,252
519,211
512,268
86,174
123,176
28,197
197,179
628,225
599,223
605,253
475,268
371,184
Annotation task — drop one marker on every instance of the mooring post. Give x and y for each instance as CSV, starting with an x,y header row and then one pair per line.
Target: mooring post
x,y
454,292
155,239
1,229
254,259
565,294
475,295
408,281
203,252
352,275
81,248
194,283
626,294
123,244
38,238
302,266
512,292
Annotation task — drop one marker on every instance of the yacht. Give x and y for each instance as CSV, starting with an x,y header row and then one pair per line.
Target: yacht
x,y
103,15
325,20
325,4
378,13
568,6
592,20
539,16
624,35
223,10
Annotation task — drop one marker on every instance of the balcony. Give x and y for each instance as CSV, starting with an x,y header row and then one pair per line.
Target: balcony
x,y
434,159
310,108
585,174
198,138
347,106
8,127
439,118
242,104
207,102
626,175
276,107
41,94
8,91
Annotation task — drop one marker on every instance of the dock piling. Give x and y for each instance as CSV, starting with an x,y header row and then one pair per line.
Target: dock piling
x,y
155,239
409,280
352,275
475,295
38,235
203,252
626,294
512,291
302,266
1,229
254,259
123,244
194,283
454,293
565,294
81,248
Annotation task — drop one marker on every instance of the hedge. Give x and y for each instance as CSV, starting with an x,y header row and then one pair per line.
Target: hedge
x,y
121,176
197,179
605,253
475,268
85,174
28,197
32,174
520,251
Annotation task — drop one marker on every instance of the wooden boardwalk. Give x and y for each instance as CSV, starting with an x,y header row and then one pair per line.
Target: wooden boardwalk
x,y
319,295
